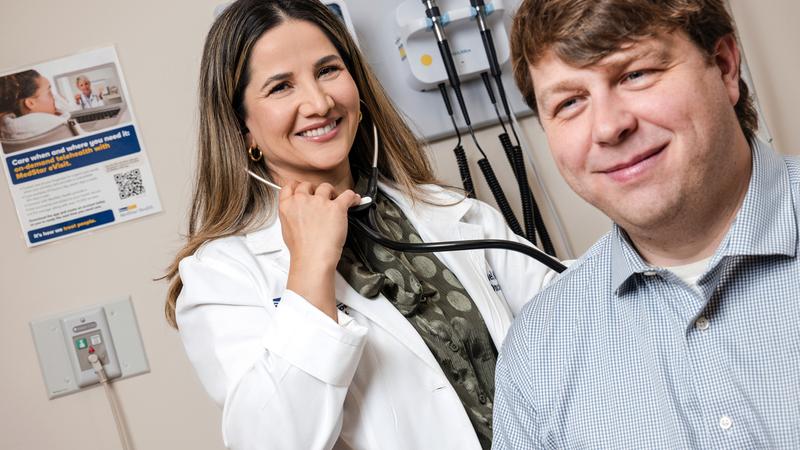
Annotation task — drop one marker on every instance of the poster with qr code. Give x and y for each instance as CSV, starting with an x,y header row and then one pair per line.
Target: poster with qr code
x,y
71,149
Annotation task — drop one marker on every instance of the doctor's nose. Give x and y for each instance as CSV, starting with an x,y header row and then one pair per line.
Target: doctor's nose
x,y
612,123
317,102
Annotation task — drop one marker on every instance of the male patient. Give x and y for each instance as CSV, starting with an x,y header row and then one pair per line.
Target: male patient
x,y
681,327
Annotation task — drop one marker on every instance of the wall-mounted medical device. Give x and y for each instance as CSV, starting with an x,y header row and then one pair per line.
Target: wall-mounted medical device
x,y
339,7
88,333
417,46
65,342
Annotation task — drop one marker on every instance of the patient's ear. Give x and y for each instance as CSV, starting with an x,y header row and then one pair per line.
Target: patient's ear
x,y
28,104
727,59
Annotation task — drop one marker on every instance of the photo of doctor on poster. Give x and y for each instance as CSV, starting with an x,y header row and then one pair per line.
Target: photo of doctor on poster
x,y
70,147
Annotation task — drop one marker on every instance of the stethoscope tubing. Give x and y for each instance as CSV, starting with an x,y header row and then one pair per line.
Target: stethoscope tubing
x,y
370,230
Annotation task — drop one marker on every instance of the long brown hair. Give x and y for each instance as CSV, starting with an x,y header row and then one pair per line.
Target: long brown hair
x,y
584,32
225,202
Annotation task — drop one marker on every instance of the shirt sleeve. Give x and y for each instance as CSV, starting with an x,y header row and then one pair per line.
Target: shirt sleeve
x,y
280,373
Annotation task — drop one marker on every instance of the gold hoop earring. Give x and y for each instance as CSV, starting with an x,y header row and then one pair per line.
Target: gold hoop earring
x,y
255,153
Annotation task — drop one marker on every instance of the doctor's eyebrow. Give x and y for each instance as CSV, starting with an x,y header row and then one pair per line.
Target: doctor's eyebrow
x,y
327,60
286,75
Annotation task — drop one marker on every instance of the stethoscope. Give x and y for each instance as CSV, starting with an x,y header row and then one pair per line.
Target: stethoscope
x,y
86,101
363,218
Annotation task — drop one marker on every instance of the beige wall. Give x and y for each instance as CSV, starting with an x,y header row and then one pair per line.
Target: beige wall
x,y
159,45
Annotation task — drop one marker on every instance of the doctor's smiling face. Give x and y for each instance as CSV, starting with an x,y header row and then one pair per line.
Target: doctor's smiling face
x,y
85,86
648,134
301,104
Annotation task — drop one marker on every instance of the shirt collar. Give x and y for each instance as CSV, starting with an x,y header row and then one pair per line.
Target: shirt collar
x,y
764,225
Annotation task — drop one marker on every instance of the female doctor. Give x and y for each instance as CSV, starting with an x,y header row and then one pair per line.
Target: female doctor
x,y
308,335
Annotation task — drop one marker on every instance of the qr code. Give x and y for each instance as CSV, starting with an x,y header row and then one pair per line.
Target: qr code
x,y
129,184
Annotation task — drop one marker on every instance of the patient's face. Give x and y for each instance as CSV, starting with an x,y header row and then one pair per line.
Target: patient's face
x,y
42,100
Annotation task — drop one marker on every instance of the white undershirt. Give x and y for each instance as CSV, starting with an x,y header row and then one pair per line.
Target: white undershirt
x,y
692,272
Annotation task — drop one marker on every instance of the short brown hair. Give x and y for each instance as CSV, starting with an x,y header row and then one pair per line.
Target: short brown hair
x,y
583,32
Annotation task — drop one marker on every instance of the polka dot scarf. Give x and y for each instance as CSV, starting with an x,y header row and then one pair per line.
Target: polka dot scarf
x,y
434,301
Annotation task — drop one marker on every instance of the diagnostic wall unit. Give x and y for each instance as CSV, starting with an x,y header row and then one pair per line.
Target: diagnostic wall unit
x,y
385,28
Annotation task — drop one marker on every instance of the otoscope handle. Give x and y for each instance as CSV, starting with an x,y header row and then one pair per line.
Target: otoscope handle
x,y
446,98
491,55
452,76
489,89
432,11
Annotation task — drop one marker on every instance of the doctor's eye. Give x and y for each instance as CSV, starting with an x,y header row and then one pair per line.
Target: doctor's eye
x,y
278,88
329,71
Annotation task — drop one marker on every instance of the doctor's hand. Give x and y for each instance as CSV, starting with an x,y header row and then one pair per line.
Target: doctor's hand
x,y
314,227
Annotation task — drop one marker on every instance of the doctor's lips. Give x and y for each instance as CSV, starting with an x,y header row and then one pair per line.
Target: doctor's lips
x,y
634,166
320,131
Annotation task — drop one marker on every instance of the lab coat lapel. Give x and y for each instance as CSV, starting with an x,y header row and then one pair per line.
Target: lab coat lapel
x,y
445,223
469,266
269,240
379,310
383,314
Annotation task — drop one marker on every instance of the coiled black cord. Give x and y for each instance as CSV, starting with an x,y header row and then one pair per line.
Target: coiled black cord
x,y
461,155
463,170
499,196
508,147
525,194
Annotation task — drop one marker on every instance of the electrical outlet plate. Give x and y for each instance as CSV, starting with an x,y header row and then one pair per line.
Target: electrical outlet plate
x,y
63,340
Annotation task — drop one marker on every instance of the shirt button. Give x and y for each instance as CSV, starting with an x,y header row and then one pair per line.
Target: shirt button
x,y
482,398
725,422
701,323
649,273
452,346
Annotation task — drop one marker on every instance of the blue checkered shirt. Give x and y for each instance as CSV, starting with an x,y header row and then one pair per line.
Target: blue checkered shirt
x,y
618,354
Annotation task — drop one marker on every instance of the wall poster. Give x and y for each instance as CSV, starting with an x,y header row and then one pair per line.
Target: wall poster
x,y
71,149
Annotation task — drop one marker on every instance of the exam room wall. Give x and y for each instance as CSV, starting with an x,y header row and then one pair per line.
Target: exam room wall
x,y
159,45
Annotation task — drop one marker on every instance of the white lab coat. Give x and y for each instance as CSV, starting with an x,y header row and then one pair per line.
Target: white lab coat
x,y
289,377
90,101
